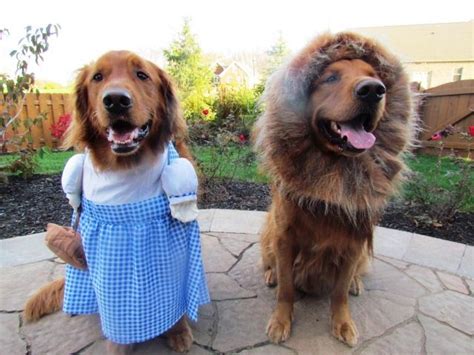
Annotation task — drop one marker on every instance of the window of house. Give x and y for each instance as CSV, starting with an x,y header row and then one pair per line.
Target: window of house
x,y
457,74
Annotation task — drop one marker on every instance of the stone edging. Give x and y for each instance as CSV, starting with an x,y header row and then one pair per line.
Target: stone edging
x,y
408,247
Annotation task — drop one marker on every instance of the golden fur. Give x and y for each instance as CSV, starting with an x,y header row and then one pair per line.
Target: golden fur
x,y
48,299
154,101
327,196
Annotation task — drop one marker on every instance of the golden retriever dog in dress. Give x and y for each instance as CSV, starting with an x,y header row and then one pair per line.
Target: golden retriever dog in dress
x,y
126,112
338,119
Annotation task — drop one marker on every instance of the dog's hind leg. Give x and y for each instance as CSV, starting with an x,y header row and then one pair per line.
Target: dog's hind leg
x,y
112,348
180,336
268,256
357,286
270,277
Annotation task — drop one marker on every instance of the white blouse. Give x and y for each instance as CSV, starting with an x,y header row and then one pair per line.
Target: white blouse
x,y
146,180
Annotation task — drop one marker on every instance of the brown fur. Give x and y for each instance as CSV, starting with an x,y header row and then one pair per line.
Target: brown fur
x,y
48,299
153,99
326,199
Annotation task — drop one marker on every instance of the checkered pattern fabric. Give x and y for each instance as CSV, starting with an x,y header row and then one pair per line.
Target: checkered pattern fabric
x,y
144,269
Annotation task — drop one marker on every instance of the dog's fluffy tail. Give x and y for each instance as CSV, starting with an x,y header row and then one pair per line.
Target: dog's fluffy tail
x,y
48,299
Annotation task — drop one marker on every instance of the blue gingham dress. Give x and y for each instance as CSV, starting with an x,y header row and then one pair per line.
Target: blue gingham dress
x,y
144,269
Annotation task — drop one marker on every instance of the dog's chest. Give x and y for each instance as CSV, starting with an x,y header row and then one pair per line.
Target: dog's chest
x,y
125,186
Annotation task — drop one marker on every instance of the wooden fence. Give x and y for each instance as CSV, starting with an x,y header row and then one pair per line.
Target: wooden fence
x,y
447,105
53,106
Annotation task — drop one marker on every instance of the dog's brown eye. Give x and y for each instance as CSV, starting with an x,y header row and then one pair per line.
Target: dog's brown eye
x,y
331,79
97,77
141,75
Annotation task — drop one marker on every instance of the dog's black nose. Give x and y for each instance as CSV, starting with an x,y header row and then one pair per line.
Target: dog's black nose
x,y
370,91
117,101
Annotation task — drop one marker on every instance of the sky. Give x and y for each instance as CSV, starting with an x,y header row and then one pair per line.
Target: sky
x,y
90,28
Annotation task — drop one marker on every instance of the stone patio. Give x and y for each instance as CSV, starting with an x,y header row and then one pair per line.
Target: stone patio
x,y
418,299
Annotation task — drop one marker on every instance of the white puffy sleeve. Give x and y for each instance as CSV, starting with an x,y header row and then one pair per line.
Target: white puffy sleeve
x,y
71,180
180,183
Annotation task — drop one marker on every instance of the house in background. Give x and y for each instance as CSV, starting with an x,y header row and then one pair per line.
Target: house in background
x,y
233,73
433,54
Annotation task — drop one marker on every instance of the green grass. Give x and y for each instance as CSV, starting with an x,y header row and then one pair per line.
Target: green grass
x,y
53,162
442,173
439,176
48,162
238,162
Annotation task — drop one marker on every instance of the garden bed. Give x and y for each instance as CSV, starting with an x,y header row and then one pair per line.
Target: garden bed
x,y
28,205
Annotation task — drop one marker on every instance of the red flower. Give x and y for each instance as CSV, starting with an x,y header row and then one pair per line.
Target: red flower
x,y
58,129
471,131
242,138
205,112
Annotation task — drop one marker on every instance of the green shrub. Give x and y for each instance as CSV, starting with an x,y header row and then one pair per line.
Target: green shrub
x,y
227,160
235,100
233,114
197,106
14,89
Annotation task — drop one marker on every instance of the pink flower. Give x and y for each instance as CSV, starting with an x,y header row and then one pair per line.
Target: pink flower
x,y
436,136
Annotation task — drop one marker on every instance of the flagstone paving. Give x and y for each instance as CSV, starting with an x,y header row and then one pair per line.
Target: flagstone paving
x,y
418,299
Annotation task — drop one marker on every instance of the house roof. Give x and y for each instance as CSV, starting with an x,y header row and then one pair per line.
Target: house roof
x,y
221,69
438,42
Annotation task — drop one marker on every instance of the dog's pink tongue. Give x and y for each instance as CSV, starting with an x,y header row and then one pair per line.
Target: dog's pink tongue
x,y
122,137
357,136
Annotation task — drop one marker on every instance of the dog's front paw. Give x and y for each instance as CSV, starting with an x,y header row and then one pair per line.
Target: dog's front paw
x,y
279,327
345,331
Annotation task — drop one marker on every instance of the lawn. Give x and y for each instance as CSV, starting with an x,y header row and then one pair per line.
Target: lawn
x,y
233,162
442,172
48,163
238,162
440,179
229,162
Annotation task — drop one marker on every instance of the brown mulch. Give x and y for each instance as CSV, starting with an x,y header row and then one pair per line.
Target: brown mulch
x,y
27,205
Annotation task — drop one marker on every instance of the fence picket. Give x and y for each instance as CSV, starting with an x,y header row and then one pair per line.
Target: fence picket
x,y
451,103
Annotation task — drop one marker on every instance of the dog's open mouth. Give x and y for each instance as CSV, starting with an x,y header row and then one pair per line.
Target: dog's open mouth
x,y
125,138
350,135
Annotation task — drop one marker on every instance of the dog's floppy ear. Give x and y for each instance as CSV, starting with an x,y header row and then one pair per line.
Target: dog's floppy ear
x,y
76,133
173,126
80,93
